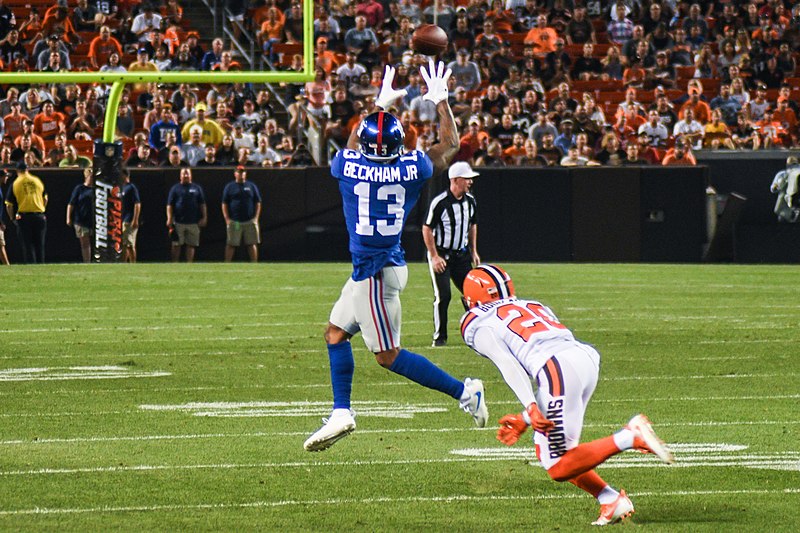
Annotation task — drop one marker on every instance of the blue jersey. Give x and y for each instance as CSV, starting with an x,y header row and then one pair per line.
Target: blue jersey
x,y
186,201
82,201
130,197
241,199
377,198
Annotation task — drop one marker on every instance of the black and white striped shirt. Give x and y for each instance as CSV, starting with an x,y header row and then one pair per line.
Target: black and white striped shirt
x,y
450,220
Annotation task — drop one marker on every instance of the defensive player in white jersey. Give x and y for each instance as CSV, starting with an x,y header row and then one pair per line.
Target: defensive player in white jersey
x,y
525,340
380,184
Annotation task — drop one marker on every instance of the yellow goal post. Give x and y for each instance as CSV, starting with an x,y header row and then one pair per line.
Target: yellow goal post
x,y
119,80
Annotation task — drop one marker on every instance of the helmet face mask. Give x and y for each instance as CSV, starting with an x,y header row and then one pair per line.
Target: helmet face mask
x,y
381,137
486,283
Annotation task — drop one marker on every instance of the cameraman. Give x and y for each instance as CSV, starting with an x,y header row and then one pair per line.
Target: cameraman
x,y
785,186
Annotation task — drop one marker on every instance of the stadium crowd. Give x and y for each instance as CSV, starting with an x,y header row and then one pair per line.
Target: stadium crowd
x,y
535,82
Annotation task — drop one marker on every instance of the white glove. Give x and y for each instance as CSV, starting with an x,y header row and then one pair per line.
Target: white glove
x,y
436,80
388,94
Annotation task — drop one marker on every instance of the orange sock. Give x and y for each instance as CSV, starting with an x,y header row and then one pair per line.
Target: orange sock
x,y
590,482
583,458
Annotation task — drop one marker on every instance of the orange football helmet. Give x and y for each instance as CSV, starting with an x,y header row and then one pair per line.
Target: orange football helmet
x,y
486,283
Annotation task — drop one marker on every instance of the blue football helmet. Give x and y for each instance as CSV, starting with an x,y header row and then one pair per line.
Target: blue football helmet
x,y
381,136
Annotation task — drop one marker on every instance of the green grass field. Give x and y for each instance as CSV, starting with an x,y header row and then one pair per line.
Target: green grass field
x,y
175,397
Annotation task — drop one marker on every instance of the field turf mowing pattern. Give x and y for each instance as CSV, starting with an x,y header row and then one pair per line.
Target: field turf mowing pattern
x,y
178,397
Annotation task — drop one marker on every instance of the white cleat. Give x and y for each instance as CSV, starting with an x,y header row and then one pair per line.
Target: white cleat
x,y
646,440
476,403
338,426
614,512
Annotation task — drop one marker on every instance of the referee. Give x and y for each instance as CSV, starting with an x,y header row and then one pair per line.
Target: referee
x,y
25,204
450,233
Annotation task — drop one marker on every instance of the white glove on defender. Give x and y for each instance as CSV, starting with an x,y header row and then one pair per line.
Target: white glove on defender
x,y
388,94
436,80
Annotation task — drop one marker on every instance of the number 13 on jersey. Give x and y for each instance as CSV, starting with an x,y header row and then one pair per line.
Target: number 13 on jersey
x,y
393,197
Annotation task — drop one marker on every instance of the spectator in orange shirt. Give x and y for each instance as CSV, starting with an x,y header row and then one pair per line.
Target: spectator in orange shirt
x,y
13,121
503,18
474,134
772,131
101,48
542,37
32,27
27,131
634,75
680,155
487,42
788,120
516,151
49,122
412,133
702,113
326,59
271,31
260,13
172,11
58,22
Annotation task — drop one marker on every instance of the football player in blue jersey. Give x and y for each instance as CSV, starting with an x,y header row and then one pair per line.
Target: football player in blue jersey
x,y
380,183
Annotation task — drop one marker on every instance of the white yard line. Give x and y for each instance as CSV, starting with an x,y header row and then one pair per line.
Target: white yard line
x,y
116,340
379,500
281,434
294,413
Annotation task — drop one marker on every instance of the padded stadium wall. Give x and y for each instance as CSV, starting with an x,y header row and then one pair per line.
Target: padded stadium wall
x,y
650,214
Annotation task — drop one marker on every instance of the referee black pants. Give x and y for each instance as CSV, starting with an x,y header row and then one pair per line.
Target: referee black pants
x,y
31,229
459,263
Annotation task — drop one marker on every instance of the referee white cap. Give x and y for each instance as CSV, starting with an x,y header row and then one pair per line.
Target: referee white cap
x,y
461,169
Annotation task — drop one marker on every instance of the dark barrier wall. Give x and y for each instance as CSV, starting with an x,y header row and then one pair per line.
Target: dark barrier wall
x,y
591,214
588,214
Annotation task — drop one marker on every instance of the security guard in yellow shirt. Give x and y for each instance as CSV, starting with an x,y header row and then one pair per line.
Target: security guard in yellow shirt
x,y
25,205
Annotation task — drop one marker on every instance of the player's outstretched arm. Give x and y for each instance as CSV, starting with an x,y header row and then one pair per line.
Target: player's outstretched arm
x,y
352,141
436,79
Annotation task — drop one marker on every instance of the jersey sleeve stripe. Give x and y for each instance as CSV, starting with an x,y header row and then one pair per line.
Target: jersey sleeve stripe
x,y
468,318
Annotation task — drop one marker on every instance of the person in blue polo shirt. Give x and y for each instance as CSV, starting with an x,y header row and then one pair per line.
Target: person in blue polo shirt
x,y
241,207
80,213
186,214
131,208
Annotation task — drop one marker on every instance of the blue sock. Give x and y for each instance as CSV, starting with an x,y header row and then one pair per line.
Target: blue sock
x,y
420,370
342,368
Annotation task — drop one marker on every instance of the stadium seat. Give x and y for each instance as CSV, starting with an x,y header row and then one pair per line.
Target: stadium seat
x,y
684,73
598,85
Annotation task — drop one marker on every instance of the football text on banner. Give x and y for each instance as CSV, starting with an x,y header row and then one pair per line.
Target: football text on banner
x,y
107,245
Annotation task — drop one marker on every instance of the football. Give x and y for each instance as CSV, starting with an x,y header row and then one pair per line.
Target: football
x,y
429,39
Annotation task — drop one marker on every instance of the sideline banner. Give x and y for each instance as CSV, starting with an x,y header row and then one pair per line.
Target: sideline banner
x,y
107,244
